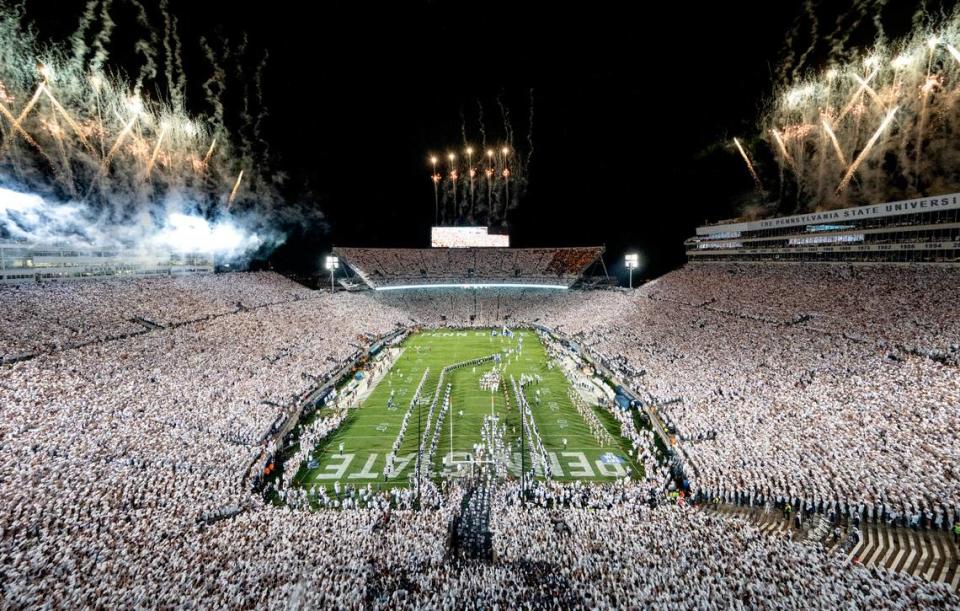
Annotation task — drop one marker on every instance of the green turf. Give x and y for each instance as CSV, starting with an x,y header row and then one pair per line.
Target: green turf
x,y
369,432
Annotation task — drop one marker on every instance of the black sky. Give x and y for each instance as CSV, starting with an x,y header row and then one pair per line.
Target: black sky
x,y
631,100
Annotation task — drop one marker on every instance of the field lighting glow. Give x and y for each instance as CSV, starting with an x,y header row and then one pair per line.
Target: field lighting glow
x,y
477,285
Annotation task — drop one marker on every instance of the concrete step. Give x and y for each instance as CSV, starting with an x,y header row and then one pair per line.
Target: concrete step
x,y
929,555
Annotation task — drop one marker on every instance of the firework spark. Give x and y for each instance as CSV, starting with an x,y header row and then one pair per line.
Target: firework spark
x,y
833,139
66,116
213,145
236,186
116,144
746,160
782,147
855,98
16,124
156,150
866,150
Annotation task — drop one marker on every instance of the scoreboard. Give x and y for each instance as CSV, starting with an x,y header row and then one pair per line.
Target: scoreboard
x,y
467,237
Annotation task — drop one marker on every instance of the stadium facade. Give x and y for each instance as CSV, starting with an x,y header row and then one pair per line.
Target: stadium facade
x,y
22,262
917,230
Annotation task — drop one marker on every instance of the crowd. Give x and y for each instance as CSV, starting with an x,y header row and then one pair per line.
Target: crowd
x,y
624,553
834,388
403,266
56,315
119,446
771,399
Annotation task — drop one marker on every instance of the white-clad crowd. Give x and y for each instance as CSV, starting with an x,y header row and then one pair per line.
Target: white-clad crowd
x,y
56,315
404,266
790,406
116,448
625,554
110,452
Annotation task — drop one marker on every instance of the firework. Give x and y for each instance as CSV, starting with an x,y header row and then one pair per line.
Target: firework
x,y
119,141
833,139
206,158
866,150
505,151
236,186
753,173
782,146
156,150
817,124
16,124
70,126
453,179
66,116
471,172
952,50
436,185
481,191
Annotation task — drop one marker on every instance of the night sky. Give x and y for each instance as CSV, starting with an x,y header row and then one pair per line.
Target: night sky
x,y
634,108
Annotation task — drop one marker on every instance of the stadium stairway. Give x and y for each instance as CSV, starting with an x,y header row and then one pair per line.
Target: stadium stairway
x,y
769,521
930,555
927,554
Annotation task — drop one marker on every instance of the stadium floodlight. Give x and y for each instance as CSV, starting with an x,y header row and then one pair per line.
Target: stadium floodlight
x,y
633,261
331,263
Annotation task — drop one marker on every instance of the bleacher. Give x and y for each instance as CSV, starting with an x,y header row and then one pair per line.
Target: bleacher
x,y
395,268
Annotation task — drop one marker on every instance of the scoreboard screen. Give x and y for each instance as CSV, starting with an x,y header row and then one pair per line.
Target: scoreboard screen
x,y
467,237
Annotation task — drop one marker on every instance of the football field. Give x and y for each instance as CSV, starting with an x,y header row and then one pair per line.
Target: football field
x,y
369,432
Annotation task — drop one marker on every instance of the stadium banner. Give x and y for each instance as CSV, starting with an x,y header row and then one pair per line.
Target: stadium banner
x,y
897,247
908,206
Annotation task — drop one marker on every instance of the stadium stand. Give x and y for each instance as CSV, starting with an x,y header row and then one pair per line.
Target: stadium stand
x,y
823,387
386,268
39,318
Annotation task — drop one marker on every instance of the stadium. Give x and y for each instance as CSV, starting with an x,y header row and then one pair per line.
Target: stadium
x,y
506,418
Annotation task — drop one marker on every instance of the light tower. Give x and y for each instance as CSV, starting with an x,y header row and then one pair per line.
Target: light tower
x,y
331,263
633,261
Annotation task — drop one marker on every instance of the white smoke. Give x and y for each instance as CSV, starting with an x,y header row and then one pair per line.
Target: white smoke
x,y
175,228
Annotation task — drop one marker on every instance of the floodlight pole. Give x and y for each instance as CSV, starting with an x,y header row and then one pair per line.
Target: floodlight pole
x,y
632,261
331,263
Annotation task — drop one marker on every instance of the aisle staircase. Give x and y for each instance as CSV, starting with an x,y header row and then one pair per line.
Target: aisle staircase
x,y
927,554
